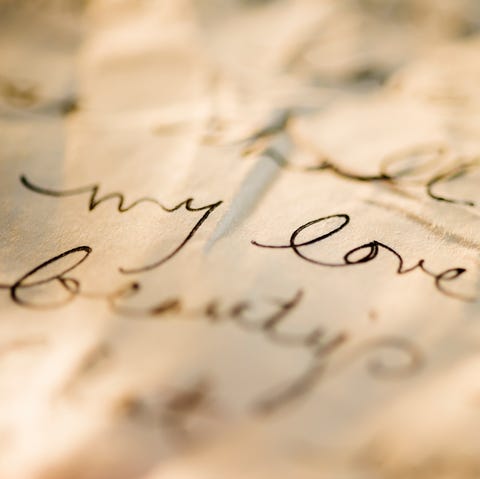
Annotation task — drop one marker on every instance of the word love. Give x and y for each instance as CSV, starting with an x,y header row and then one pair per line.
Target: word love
x,y
363,254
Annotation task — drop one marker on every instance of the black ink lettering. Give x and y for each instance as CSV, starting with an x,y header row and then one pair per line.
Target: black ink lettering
x,y
71,285
95,200
452,174
370,251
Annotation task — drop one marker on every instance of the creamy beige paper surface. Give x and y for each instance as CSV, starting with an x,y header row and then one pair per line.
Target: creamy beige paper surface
x,y
239,239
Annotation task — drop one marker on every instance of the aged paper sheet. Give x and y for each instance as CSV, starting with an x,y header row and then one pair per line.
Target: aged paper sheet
x,y
239,239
